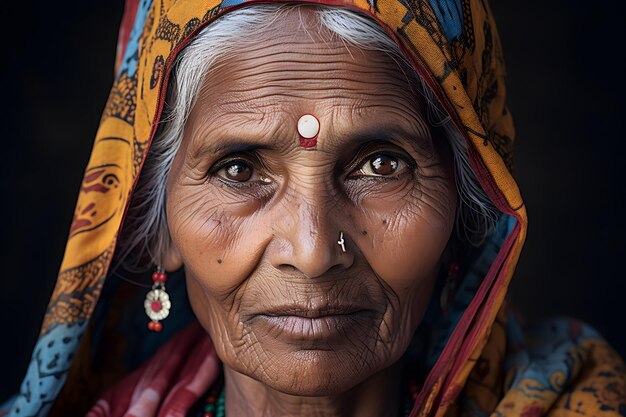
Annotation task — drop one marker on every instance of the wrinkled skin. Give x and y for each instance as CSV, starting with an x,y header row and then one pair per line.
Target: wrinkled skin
x,y
255,218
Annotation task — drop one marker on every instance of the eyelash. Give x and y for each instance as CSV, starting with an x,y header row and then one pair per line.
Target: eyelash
x,y
252,159
228,161
410,162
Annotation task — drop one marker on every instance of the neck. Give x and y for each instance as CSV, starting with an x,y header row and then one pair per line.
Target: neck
x,y
379,396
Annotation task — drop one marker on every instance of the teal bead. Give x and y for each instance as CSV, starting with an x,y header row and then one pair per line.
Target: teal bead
x,y
221,402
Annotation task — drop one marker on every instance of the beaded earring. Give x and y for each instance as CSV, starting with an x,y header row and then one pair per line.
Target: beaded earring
x,y
157,302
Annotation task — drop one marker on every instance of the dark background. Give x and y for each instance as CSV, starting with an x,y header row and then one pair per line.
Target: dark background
x,y
566,92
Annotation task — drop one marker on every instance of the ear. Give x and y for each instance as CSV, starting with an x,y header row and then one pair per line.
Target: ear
x,y
172,261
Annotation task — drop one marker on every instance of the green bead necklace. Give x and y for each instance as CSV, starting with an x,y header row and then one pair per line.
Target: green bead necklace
x,y
215,405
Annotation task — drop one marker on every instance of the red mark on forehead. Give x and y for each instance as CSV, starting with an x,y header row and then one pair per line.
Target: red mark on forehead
x,y
308,142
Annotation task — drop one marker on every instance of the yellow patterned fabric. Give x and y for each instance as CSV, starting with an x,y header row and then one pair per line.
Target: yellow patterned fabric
x,y
487,367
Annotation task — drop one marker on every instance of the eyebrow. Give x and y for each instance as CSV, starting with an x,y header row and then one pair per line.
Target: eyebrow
x,y
230,145
420,139
227,147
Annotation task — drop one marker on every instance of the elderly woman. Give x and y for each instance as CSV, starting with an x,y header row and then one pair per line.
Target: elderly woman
x,y
323,194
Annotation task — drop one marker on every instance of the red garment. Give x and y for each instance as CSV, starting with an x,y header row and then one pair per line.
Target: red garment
x,y
179,373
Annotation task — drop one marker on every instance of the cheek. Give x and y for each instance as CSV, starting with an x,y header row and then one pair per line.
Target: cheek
x,y
409,236
212,243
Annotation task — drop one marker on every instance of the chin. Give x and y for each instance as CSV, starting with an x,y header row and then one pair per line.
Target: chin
x,y
316,372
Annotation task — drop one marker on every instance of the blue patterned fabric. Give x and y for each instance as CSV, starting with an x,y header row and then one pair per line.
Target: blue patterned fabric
x,y
450,17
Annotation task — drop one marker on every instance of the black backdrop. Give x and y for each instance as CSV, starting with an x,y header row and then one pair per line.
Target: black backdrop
x,y
566,92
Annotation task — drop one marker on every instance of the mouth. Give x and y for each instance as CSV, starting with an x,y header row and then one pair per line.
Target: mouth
x,y
312,313
326,324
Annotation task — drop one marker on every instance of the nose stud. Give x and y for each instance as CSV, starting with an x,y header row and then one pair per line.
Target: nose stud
x,y
341,242
308,128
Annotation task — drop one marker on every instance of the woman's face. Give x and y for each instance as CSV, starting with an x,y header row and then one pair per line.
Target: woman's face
x,y
255,218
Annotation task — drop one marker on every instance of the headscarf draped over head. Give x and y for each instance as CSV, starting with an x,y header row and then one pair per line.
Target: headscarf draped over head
x,y
480,361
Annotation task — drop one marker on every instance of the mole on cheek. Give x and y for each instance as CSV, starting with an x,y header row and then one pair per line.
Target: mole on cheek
x,y
385,221
363,232
219,261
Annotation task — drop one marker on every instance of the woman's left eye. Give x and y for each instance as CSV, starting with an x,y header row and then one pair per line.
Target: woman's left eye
x,y
381,165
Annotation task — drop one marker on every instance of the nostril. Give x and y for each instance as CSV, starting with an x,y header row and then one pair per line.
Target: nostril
x,y
287,268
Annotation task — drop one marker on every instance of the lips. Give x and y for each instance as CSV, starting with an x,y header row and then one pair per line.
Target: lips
x,y
308,312
329,324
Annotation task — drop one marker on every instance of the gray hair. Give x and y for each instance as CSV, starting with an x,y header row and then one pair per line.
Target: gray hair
x,y
146,222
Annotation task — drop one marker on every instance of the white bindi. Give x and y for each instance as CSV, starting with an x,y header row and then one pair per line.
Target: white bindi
x,y
308,128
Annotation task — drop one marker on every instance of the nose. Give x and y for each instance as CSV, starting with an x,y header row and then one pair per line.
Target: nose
x,y
308,240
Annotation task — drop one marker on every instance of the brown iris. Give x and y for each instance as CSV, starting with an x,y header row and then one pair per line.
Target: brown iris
x,y
384,164
239,172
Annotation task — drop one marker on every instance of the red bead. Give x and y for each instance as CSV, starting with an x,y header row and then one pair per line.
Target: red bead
x,y
156,306
159,277
158,326
151,325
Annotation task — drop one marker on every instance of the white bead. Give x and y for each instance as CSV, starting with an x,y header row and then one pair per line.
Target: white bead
x,y
308,126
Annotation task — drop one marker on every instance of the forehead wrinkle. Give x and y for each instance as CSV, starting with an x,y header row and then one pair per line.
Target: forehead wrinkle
x,y
268,77
267,55
271,130
411,127
243,93
245,76
308,66
274,46
307,81
336,110
318,80
284,109
300,103
247,127
243,96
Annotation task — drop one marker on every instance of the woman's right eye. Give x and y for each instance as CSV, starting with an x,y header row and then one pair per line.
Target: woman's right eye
x,y
240,171
237,171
